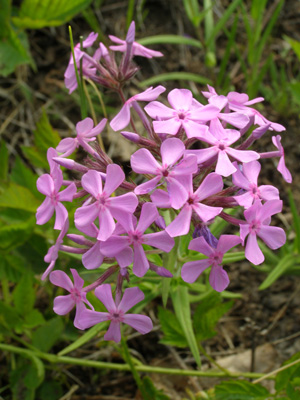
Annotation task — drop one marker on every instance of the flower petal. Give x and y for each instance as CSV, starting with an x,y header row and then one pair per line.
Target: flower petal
x,y
44,212
158,110
180,99
93,258
148,186
273,236
160,240
113,332
171,151
122,119
61,216
140,323
131,297
218,278
181,224
252,251
61,279
92,182
193,269
106,223
226,242
140,262
62,305
201,245
103,293
114,177
143,162
148,215
88,318
205,212
212,184
177,192
170,126
114,245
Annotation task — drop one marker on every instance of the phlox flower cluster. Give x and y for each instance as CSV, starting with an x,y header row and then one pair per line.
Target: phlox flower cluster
x,y
193,162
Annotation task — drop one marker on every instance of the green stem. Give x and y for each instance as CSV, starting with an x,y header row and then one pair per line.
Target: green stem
x,y
5,291
128,360
52,358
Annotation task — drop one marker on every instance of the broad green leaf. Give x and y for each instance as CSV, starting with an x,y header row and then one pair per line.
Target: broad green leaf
x,y
35,157
13,52
287,375
3,161
12,267
170,39
9,317
50,390
47,335
36,14
173,333
282,267
23,176
24,295
34,251
240,390
18,387
208,313
16,196
35,373
181,304
33,318
86,337
295,89
175,76
44,135
15,235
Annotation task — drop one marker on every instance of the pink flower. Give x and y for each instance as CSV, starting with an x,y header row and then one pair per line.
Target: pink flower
x,y
212,184
122,119
239,102
183,114
218,278
281,165
258,219
85,133
64,304
49,186
104,207
117,313
136,237
247,180
143,162
88,70
52,254
137,49
221,139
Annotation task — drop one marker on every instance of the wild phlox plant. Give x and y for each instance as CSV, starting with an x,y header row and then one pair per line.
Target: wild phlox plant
x,y
194,161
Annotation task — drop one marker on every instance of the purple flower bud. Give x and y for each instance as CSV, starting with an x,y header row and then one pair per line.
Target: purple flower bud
x,y
203,230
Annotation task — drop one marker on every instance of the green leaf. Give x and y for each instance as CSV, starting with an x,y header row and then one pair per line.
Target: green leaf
x,y
170,39
3,161
152,392
16,196
86,337
14,235
24,295
35,157
33,319
35,374
23,176
44,135
13,51
173,333
295,45
282,267
295,89
175,76
9,317
50,390
240,390
18,387
208,313
36,14
47,335
287,375
34,252
180,298
12,267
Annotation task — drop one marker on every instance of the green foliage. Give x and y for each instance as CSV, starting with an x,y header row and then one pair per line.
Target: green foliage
x,y
173,333
14,235
50,390
172,76
36,14
24,295
240,390
208,313
288,379
3,161
170,39
48,334
152,392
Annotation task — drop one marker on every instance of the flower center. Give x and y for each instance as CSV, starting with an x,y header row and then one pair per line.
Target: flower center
x,y
135,237
254,227
221,146
54,198
76,296
216,258
117,316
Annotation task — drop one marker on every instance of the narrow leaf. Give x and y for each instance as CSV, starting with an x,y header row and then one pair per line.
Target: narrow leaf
x,y
170,39
175,76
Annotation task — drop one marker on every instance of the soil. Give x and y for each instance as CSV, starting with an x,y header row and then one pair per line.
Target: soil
x,y
268,318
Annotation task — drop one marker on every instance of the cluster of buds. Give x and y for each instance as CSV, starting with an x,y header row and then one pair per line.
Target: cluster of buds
x,y
187,153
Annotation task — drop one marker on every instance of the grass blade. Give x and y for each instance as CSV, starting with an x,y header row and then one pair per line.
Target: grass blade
x,y
296,221
175,76
180,299
170,39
